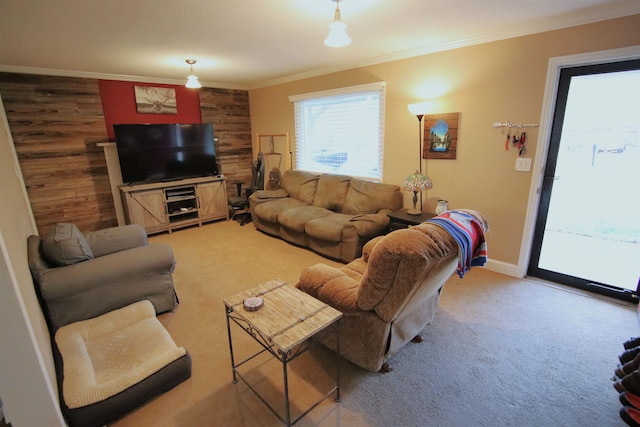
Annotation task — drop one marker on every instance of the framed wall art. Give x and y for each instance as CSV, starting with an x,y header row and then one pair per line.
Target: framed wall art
x,y
440,136
155,100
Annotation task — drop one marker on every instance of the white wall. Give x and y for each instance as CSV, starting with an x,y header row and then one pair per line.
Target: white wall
x,y
27,376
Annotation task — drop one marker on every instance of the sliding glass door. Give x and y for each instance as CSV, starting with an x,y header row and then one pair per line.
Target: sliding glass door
x,y
588,227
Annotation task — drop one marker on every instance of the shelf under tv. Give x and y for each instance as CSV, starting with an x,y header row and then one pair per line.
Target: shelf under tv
x,y
166,206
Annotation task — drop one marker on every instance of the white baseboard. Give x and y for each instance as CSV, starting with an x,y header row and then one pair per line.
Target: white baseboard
x,y
502,268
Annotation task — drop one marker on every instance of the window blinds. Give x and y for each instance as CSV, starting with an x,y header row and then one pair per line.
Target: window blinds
x,y
341,131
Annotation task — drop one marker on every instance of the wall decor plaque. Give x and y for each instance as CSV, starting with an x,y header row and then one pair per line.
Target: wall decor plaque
x,y
440,136
155,100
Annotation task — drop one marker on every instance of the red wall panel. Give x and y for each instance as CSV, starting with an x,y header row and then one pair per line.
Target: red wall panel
x,y
119,105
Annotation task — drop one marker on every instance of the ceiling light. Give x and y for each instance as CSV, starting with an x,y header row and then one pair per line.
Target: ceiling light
x,y
192,79
337,31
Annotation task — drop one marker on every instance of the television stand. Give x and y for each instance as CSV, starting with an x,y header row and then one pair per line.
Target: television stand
x,y
167,206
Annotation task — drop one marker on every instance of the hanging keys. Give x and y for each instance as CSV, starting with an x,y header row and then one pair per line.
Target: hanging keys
x,y
521,143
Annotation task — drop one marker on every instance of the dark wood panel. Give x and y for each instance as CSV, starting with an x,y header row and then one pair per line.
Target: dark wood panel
x,y
228,111
56,122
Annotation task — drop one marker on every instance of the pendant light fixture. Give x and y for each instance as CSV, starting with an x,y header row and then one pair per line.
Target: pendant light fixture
x,y
192,79
337,31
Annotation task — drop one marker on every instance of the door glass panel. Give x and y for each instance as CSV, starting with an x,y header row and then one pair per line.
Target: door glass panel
x,y
593,222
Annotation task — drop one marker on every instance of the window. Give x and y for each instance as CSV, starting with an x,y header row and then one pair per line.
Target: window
x,y
341,131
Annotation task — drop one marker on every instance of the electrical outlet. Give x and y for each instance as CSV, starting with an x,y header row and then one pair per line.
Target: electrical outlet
x,y
523,164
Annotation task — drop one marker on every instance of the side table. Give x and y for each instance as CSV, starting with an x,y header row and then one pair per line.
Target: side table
x,y
285,326
401,219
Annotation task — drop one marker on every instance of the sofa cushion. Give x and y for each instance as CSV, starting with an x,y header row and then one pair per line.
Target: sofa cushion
x,y
328,228
300,185
332,191
65,245
296,218
271,210
370,197
105,355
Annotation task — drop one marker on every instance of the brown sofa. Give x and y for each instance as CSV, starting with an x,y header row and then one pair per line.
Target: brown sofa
x,y
388,295
334,215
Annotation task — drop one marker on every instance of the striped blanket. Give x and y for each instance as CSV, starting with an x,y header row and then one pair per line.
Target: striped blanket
x,y
468,232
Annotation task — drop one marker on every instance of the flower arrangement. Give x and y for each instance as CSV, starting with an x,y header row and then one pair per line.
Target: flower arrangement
x,y
417,182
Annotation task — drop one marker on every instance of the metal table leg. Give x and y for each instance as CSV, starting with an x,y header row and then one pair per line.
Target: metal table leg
x,y
233,363
287,409
338,361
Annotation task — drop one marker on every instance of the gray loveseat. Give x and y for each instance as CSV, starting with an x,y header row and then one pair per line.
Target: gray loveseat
x,y
334,215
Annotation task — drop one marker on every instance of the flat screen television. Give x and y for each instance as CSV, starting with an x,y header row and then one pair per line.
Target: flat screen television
x,y
165,152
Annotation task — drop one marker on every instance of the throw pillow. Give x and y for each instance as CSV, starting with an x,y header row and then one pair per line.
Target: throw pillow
x,y
65,245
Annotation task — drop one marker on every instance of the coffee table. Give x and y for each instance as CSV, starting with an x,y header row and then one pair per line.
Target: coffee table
x,y
286,326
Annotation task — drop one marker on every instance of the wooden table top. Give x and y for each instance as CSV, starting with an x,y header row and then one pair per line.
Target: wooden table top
x,y
288,316
401,215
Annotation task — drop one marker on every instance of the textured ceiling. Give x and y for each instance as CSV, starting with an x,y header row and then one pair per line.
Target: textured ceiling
x,y
253,43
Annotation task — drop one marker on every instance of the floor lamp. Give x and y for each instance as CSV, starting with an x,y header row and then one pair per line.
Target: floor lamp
x,y
419,110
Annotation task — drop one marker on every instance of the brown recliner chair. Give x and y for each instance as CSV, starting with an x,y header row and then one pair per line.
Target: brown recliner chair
x,y
388,295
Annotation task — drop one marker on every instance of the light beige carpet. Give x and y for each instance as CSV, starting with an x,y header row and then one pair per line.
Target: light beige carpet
x,y
500,351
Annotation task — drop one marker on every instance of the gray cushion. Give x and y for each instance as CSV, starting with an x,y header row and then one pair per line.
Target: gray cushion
x,y
65,245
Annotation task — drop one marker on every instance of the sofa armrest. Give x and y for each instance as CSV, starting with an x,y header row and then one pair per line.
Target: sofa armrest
x,y
271,194
331,286
262,196
116,239
368,247
119,267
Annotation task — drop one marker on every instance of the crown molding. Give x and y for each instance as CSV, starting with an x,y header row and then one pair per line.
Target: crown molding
x,y
104,76
590,16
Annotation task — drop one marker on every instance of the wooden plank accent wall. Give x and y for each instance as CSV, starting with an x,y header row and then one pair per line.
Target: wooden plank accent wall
x,y
57,121
228,110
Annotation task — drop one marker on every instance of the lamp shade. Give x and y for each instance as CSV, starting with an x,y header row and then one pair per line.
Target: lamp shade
x,y
192,79
337,35
192,82
418,182
420,108
337,31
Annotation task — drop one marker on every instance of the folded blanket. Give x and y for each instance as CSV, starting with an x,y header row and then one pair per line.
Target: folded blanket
x,y
468,232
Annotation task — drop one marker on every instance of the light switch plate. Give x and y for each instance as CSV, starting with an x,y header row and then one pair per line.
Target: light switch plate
x,y
523,164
